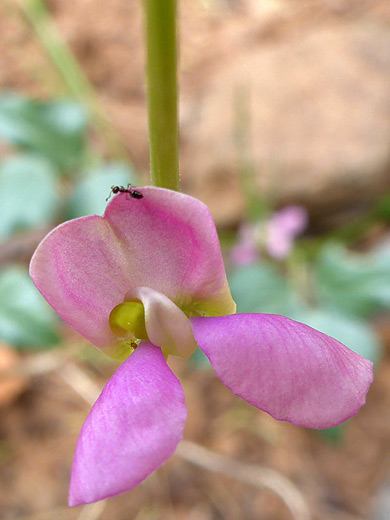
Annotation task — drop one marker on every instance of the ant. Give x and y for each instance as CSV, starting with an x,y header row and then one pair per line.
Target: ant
x,y
135,194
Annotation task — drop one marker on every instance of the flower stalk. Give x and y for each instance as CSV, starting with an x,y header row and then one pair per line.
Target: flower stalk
x,y
161,72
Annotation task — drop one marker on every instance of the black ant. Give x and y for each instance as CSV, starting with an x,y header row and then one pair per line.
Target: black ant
x,y
135,194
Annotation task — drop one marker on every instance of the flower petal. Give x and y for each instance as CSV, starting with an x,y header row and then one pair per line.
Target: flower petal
x,y
132,429
246,251
172,246
79,268
166,241
285,368
282,228
167,326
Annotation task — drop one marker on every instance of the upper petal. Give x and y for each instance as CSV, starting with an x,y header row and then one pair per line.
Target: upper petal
x,y
132,429
166,241
285,368
172,246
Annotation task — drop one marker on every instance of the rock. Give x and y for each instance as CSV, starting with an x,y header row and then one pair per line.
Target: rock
x,y
315,73
319,118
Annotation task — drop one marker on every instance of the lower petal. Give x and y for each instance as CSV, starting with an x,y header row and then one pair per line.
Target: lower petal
x,y
133,428
285,368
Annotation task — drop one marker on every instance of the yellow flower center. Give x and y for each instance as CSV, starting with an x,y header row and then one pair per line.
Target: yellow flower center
x,y
129,317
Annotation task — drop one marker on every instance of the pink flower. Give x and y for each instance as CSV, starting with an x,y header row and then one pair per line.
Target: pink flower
x,y
147,279
282,228
246,251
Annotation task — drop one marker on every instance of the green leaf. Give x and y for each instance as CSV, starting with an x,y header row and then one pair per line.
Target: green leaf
x,y
26,320
382,209
356,284
355,334
28,196
333,435
89,197
199,360
55,130
260,288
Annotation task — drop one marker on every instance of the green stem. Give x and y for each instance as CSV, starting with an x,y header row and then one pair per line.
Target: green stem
x,y
74,78
256,206
161,43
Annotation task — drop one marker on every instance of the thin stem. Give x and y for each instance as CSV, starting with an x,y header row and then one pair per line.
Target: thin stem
x,y
256,206
161,43
74,78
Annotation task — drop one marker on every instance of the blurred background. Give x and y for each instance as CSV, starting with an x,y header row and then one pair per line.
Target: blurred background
x,y
285,134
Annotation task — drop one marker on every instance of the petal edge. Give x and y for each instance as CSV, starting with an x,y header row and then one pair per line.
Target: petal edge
x,y
132,429
285,368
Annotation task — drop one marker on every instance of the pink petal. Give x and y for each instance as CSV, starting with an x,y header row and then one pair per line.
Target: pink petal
x,y
291,220
132,429
285,368
79,268
282,228
279,246
246,251
172,245
167,326
166,241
